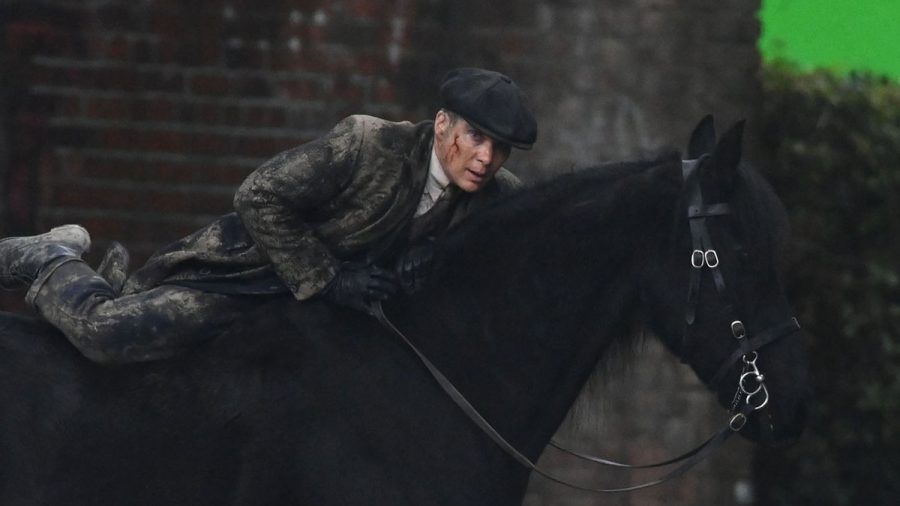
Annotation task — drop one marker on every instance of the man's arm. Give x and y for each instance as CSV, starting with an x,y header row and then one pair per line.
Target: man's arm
x,y
276,200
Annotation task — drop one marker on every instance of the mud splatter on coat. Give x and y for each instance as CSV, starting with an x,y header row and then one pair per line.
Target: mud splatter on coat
x,y
349,193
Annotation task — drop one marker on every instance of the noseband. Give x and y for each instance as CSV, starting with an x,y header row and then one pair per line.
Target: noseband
x,y
751,383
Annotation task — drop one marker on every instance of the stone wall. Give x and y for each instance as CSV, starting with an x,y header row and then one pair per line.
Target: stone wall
x,y
137,118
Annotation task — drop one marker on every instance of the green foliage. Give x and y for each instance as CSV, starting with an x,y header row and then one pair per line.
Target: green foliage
x,y
836,142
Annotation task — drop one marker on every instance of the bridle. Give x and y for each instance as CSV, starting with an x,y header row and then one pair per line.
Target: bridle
x,y
751,383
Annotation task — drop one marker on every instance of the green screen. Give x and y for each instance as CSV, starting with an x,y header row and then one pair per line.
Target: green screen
x,y
843,35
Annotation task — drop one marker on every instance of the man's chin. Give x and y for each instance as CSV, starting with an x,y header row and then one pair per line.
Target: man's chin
x,y
471,186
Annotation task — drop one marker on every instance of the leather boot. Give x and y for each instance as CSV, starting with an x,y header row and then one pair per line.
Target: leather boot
x,y
32,259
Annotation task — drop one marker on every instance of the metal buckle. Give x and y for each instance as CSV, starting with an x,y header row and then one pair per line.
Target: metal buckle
x,y
738,330
737,422
712,258
697,259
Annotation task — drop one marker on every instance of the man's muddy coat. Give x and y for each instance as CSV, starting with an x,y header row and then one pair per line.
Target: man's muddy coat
x,y
350,193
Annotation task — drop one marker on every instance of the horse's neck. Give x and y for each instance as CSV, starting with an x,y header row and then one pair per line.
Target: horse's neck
x,y
520,331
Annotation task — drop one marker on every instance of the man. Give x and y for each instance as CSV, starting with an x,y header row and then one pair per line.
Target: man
x,y
327,219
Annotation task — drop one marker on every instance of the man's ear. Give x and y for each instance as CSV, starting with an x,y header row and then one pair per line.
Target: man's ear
x,y
441,120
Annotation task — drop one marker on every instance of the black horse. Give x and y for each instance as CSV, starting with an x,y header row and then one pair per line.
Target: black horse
x,y
310,404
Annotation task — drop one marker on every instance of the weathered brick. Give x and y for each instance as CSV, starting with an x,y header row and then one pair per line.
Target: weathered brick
x,y
71,136
385,92
108,167
198,113
208,84
365,8
305,118
161,80
108,108
261,147
121,198
69,106
166,22
162,110
251,86
232,115
32,36
115,78
209,113
162,140
118,48
115,16
346,88
370,63
264,117
145,234
302,89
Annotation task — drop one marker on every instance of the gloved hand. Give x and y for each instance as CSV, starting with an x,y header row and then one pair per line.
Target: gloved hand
x,y
357,285
414,267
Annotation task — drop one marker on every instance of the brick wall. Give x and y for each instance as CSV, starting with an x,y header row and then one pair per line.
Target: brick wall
x,y
137,118
151,112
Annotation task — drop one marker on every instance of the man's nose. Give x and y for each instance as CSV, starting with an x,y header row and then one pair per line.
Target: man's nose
x,y
486,152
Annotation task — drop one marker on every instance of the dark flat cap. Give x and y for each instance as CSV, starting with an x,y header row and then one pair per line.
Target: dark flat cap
x,y
492,103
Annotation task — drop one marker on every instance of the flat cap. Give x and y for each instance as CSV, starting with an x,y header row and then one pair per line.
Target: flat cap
x,y
492,103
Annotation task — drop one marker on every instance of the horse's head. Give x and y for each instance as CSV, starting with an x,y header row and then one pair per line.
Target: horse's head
x,y
716,298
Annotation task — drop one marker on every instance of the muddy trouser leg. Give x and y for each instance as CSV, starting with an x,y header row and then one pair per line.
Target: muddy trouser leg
x,y
155,324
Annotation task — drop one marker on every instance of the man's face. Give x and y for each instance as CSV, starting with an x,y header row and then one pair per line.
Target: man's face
x,y
470,157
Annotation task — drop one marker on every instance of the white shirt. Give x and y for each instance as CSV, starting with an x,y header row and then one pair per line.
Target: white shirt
x,y
434,187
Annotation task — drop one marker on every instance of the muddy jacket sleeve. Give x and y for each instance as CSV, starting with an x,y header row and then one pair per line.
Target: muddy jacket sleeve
x,y
280,202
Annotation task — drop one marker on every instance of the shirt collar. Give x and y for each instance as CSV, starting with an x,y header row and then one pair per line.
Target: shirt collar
x,y
436,170
437,178
435,185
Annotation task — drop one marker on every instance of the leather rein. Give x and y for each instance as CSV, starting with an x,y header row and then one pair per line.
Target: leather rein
x,y
751,384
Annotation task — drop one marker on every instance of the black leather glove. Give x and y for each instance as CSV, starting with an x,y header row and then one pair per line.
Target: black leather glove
x,y
414,267
357,285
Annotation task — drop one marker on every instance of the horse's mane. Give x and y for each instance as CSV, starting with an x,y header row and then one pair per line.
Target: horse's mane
x,y
591,188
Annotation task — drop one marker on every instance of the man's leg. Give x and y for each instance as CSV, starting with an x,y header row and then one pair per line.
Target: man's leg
x,y
106,328
151,325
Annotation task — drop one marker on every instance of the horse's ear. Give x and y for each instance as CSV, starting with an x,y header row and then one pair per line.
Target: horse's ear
x,y
703,138
727,156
